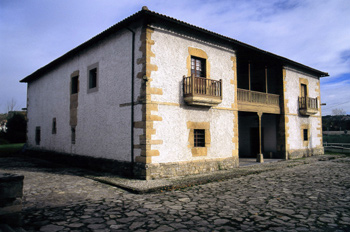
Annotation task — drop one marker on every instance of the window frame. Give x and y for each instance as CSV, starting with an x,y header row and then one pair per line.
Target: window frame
x,y
202,65
305,135
199,137
74,86
37,135
73,134
90,70
54,126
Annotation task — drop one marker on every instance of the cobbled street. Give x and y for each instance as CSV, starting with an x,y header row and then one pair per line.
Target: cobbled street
x,y
313,196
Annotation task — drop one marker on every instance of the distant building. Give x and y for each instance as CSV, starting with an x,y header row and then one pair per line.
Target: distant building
x,y
166,98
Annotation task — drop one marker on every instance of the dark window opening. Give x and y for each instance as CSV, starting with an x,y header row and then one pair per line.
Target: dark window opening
x,y
305,135
303,90
54,128
199,138
74,85
37,135
198,67
93,78
73,135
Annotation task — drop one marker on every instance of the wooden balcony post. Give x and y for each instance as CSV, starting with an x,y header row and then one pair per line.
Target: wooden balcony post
x,y
220,88
260,156
192,83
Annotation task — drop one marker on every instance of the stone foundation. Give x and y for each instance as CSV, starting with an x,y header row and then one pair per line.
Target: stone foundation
x,y
175,169
122,168
140,170
295,154
11,192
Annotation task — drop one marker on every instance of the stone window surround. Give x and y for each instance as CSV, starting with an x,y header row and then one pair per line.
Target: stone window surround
x,y
302,128
198,151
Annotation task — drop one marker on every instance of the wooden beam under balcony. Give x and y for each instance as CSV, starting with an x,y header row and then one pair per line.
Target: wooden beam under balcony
x,y
253,101
202,91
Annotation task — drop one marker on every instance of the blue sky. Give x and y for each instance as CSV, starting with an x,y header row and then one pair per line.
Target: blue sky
x,y
313,32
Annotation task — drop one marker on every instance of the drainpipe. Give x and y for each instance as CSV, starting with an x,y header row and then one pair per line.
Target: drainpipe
x,y
132,97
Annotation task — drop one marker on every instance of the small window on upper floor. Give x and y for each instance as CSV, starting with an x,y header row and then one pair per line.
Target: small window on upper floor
x,y
303,90
198,67
74,84
93,78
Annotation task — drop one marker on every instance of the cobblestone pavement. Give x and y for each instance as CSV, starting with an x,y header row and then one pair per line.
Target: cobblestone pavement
x,y
313,196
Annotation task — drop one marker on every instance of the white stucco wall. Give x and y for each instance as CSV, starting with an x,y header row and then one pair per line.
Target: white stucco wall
x,y
103,128
171,52
295,120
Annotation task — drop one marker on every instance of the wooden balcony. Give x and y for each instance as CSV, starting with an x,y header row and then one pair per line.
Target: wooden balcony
x,y
202,91
253,101
308,106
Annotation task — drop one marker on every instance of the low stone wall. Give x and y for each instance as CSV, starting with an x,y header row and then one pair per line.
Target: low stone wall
x,y
11,192
295,154
166,170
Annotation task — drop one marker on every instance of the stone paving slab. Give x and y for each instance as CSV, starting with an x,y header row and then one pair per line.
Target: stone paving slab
x,y
249,167
309,194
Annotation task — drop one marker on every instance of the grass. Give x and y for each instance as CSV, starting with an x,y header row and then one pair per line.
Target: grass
x,y
336,138
9,149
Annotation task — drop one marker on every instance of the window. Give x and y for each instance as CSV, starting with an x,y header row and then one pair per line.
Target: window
x,y
198,67
73,135
93,78
37,135
305,135
199,138
303,90
75,84
54,129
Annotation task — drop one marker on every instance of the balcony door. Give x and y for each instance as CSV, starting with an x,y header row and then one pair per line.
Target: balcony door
x,y
303,95
198,67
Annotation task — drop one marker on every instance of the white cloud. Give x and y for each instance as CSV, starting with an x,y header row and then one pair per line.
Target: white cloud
x,y
312,32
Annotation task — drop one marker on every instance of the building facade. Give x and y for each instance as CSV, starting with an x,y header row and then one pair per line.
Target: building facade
x,y
165,98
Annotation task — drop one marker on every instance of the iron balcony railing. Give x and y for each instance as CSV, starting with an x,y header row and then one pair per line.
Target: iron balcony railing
x,y
202,86
308,103
249,96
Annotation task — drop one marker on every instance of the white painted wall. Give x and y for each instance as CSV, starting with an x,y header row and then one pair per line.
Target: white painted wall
x,y
295,120
171,52
103,128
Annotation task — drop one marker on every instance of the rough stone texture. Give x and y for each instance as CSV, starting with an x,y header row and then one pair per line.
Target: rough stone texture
x,y
310,194
305,153
166,170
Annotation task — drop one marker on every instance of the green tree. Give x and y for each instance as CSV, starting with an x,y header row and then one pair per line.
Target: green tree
x,y
16,128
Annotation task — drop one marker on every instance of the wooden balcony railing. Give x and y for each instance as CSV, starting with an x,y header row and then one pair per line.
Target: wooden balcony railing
x,y
202,91
308,105
249,96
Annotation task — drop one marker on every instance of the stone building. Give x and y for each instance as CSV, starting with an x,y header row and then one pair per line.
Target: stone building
x,y
159,97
